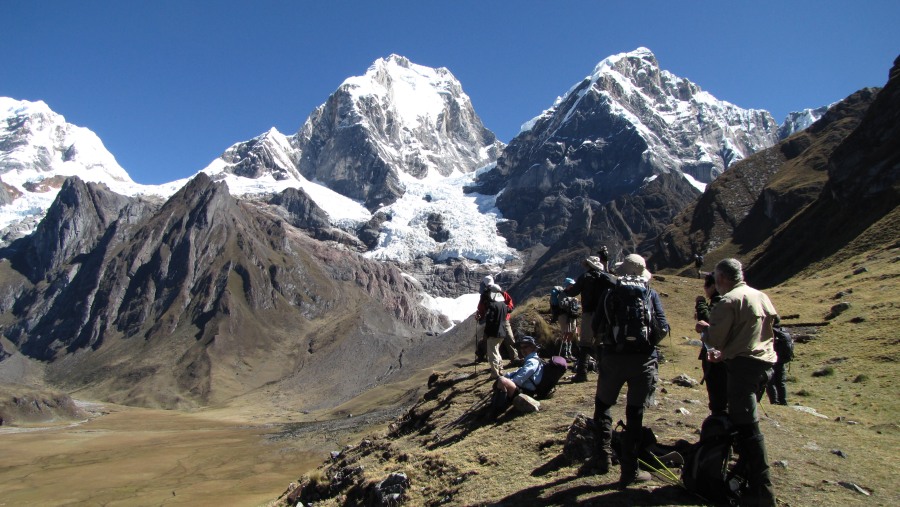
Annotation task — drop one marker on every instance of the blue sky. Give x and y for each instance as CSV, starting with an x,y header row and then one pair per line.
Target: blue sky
x,y
169,85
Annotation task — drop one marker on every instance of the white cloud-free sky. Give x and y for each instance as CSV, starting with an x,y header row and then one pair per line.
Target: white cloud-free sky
x,y
169,85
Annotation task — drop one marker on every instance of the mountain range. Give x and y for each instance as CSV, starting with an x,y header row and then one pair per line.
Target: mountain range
x,y
335,245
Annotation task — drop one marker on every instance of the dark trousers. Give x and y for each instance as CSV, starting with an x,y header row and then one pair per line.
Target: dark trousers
x,y
715,376
776,388
746,378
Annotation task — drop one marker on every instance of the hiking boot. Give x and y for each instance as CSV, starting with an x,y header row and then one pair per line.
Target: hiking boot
x,y
635,476
602,462
579,377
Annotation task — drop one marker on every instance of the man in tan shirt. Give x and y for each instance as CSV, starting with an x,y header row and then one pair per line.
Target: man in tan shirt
x,y
739,333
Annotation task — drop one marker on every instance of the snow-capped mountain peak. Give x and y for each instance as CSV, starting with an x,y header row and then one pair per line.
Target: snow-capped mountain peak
x,y
800,120
416,120
686,129
416,93
38,150
39,140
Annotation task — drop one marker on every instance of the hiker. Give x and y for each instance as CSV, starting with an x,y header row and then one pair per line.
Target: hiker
x,y
714,375
492,310
784,350
590,286
568,325
480,344
636,323
528,376
740,328
555,310
698,263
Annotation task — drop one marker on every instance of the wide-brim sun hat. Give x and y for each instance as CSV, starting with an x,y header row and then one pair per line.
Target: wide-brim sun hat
x,y
593,262
634,265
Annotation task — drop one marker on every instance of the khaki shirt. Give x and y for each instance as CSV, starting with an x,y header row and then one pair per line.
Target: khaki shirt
x,y
741,324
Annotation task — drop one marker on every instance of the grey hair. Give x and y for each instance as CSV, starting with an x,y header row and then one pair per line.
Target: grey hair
x,y
731,269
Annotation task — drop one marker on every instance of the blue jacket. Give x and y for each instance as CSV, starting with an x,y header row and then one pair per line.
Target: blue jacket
x,y
529,375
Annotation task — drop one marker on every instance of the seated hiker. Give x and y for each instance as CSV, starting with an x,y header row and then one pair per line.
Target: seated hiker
x,y
528,376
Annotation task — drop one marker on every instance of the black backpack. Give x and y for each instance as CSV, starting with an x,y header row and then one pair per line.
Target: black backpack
x,y
705,470
571,306
784,345
629,315
494,315
553,369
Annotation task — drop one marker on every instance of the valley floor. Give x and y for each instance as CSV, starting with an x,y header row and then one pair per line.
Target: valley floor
x,y
130,456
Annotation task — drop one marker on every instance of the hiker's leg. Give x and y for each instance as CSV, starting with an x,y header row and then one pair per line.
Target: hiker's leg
x,y
745,376
755,466
509,340
564,326
603,436
778,385
480,354
611,373
631,445
493,353
641,387
506,385
585,346
716,387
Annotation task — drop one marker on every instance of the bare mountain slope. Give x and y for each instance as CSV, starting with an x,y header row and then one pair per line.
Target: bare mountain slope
x,y
204,299
744,206
860,198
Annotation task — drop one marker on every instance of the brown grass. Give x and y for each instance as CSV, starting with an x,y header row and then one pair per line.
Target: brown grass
x,y
453,456
247,452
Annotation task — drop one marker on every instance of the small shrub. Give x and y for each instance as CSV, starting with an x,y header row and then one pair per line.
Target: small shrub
x,y
803,392
860,379
824,372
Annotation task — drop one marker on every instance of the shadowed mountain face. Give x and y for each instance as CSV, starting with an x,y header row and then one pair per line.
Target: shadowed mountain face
x,y
200,300
751,200
858,204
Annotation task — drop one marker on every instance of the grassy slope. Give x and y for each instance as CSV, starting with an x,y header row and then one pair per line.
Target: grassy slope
x,y
453,456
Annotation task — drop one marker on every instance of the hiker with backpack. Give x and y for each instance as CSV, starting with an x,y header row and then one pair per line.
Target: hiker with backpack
x,y
534,378
555,296
528,376
493,310
784,349
740,329
590,286
635,324
569,310
714,374
484,300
